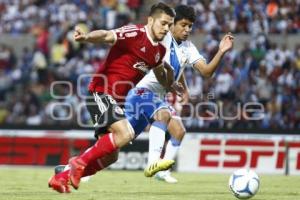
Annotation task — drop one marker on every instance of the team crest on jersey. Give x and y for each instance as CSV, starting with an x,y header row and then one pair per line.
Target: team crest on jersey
x,y
119,110
157,57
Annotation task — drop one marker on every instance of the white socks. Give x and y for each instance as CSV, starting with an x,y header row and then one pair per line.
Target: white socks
x,y
172,149
156,140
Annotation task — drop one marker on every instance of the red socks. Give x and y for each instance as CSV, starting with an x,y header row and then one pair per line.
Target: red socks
x,y
91,169
92,156
104,146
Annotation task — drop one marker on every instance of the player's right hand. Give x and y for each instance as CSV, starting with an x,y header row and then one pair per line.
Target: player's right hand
x,y
79,35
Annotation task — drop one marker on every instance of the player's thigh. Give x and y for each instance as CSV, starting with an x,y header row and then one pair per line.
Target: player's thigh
x,y
144,102
159,111
123,132
132,102
134,109
176,127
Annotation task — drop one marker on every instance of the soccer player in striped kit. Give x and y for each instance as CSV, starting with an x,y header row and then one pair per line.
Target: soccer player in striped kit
x,y
148,96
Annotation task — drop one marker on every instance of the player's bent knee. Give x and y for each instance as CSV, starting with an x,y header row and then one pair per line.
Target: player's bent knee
x,y
163,115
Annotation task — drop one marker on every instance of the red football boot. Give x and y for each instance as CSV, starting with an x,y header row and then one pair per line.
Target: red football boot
x,y
59,184
77,166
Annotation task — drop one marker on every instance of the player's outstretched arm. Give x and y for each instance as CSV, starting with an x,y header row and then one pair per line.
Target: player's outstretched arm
x,y
225,45
98,36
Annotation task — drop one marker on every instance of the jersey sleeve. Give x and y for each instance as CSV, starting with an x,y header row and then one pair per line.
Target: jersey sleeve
x,y
126,36
194,55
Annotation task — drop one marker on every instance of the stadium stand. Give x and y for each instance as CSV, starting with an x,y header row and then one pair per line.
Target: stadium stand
x,y
261,71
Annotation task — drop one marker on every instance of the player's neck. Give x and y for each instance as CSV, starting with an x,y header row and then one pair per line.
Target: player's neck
x,y
177,40
150,34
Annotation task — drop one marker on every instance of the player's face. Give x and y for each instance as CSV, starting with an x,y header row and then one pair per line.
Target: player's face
x,y
182,29
160,26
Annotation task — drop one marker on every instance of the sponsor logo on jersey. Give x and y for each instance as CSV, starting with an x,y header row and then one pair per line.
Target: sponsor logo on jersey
x,y
131,34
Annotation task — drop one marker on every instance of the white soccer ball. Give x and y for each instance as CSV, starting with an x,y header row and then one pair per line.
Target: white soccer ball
x,y
244,183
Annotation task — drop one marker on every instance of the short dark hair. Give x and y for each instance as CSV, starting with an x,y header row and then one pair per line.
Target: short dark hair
x,y
160,8
185,12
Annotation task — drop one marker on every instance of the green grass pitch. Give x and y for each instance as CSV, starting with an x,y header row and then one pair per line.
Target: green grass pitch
x,y
31,184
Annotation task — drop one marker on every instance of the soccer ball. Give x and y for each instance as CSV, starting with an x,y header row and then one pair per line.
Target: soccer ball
x,y
244,183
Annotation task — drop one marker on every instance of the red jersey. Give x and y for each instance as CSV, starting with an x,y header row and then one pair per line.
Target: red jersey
x,y
129,59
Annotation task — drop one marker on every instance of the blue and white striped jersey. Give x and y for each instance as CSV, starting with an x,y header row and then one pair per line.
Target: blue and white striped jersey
x,y
178,56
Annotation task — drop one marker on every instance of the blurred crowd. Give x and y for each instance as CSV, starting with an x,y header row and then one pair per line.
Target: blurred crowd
x,y
237,16
44,84
245,16
29,16
257,87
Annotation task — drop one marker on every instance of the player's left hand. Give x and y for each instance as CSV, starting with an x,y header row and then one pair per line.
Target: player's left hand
x,y
226,43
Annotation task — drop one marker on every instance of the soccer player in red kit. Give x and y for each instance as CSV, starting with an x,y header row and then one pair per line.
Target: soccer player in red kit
x,y
135,50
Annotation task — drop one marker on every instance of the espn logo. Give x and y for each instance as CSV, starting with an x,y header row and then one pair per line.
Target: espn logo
x,y
39,150
234,153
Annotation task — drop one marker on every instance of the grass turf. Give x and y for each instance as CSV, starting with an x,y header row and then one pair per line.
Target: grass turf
x,y
31,184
